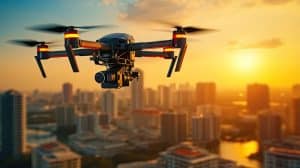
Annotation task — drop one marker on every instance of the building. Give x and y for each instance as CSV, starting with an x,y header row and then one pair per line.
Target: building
x,y
205,94
279,157
206,125
269,127
283,154
67,90
85,101
12,123
146,118
56,155
150,98
185,96
65,116
109,104
296,91
186,155
258,98
173,127
165,97
87,122
137,91
295,116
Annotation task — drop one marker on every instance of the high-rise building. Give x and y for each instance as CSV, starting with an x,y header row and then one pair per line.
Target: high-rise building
x,y
269,127
187,155
87,122
185,96
165,97
12,123
205,94
65,116
283,154
146,118
206,125
295,116
258,97
137,91
296,91
173,127
67,90
150,98
109,104
56,155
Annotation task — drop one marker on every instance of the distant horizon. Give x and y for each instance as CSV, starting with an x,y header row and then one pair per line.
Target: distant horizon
x,y
193,86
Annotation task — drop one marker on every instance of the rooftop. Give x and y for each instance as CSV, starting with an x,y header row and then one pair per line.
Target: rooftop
x,y
55,152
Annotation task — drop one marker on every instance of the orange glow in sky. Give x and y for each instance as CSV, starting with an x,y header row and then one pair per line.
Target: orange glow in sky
x,y
256,42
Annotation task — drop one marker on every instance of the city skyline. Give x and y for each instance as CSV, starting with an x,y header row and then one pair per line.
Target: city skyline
x,y
255,45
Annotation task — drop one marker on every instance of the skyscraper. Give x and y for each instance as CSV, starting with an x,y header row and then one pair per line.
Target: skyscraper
x,y
150,98
185,96
67,90
87,122
13,123
296,91
206,126
56,155
165,97
173,127
65,116
109,104
205,94
258,97
295,116
269,127
137,92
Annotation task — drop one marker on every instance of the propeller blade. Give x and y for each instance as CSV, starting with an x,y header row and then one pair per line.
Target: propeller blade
x,y
95,27
51,28
30,43
186,29
191,29
25,43
57,28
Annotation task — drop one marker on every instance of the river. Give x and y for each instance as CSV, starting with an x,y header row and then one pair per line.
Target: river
x,y
239,152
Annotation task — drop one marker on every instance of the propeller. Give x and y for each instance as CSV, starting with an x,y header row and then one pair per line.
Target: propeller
x,y
57,28
186,29
29,43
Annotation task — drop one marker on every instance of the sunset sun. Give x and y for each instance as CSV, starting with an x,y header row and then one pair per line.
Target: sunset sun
x,y
245,61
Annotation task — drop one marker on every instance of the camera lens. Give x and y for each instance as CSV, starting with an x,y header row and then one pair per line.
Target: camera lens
x,y
100,77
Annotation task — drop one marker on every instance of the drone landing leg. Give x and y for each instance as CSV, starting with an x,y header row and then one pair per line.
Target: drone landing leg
x,y
72,58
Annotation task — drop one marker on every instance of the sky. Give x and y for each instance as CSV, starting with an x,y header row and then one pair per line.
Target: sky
x,y
257,40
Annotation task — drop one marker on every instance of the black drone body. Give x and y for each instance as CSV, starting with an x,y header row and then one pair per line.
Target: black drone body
x,y
117,51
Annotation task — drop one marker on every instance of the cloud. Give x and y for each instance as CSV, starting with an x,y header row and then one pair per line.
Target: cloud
x,y
276,2
263,44
108,2
139,10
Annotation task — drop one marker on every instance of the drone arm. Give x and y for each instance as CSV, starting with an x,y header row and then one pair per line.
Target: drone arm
x,y
153,44
92,45
166,55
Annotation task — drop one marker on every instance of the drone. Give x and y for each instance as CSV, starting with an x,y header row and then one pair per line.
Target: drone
x,y
116,51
